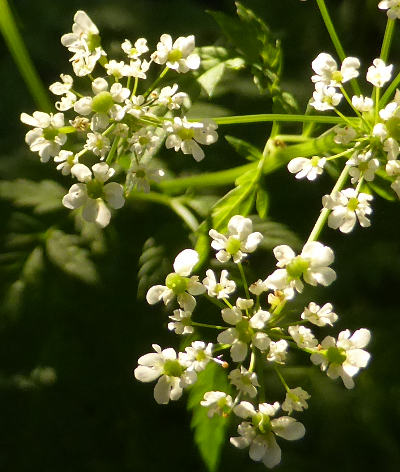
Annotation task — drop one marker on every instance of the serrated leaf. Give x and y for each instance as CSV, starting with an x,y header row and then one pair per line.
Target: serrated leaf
x,y
382,189
262,202
43,197
275,234
34,264
153,265
245,149
209,433
64,251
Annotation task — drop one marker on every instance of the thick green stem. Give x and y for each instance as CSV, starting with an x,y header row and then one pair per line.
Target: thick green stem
x,y
387,39
389,91
268,117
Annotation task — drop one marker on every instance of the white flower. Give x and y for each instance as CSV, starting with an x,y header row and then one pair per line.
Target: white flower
x,y
46,138
221,289
115,68
181,322
259,435
328,74
98,144
258,287
362,166
277,351
319,316
92,194
178,284
380,131
139,176
61,88
144,140
185,136
325,97
67,160
172,99
347,206
238,243
312,264
197,356
304,167
171,374
295,400
344,357
245,331
361,103
344,135
303,336
244,381
218,403
178,55
137,69
133,52
393,7
379,73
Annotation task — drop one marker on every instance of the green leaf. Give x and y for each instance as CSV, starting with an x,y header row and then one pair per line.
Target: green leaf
x,y
275,234
382,189
64,251
43,197
262,202
210,79
209,433
33,266
245,149
153,266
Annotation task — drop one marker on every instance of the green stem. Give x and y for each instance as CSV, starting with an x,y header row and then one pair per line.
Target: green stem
x,y
245,285
320,223
111,153
22,59
156,82
335,39
387,39
204,325
389,91
281,378
267,117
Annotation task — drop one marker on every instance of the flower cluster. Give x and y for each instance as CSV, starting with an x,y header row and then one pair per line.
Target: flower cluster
x,y
253,334
116,115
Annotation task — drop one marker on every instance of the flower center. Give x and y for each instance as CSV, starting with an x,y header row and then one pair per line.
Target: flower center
x,y
173,368
233,245
297,267
353,204
93,41
336,355
94,189
244,330
174,55
314,161
50,133
102,102
186,133
176,283
262,422
337,76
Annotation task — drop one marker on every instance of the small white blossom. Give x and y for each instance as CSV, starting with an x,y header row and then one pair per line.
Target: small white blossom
x,y
362,166
344,357
277,351
186,136
303,336
93,195
218,403
379,73
98,144
170,372
347,206
309,168
67,160
325,97
238,243
133,52
344,135
258,287
327,72
221,289
295,400
139,177
319,316
197,356
181,322
361,103
178,55
312,264
136,69
172,99
61,88
392,7
244,381
178,284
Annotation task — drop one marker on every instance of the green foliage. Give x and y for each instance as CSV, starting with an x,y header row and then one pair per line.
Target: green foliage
x,y
153,265
260,50
209,434
44,196
275,234
262,202
245,149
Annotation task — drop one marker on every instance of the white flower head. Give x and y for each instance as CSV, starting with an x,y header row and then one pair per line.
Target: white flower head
x,y
134,52
178,284
259,435
186,136
312,264
363,166
344,357
309,168
221,289
303,336
361,103
179,55
181,322
296,399
244,381
45,138
61,88
238,243
218,403
325,97
379,73
319,316
66,160
327,72
170,372
277,351
392,7
172,99
197,356
141,175
93,195
344,135
347,206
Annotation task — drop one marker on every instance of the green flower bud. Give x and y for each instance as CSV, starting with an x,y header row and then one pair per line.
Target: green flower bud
x,y
102,102
177,283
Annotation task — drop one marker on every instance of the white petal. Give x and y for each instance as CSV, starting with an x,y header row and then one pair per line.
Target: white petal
x,y
288,428
155,294
185,261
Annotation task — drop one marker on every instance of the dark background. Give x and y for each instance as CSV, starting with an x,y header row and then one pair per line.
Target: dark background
x,y
96,417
